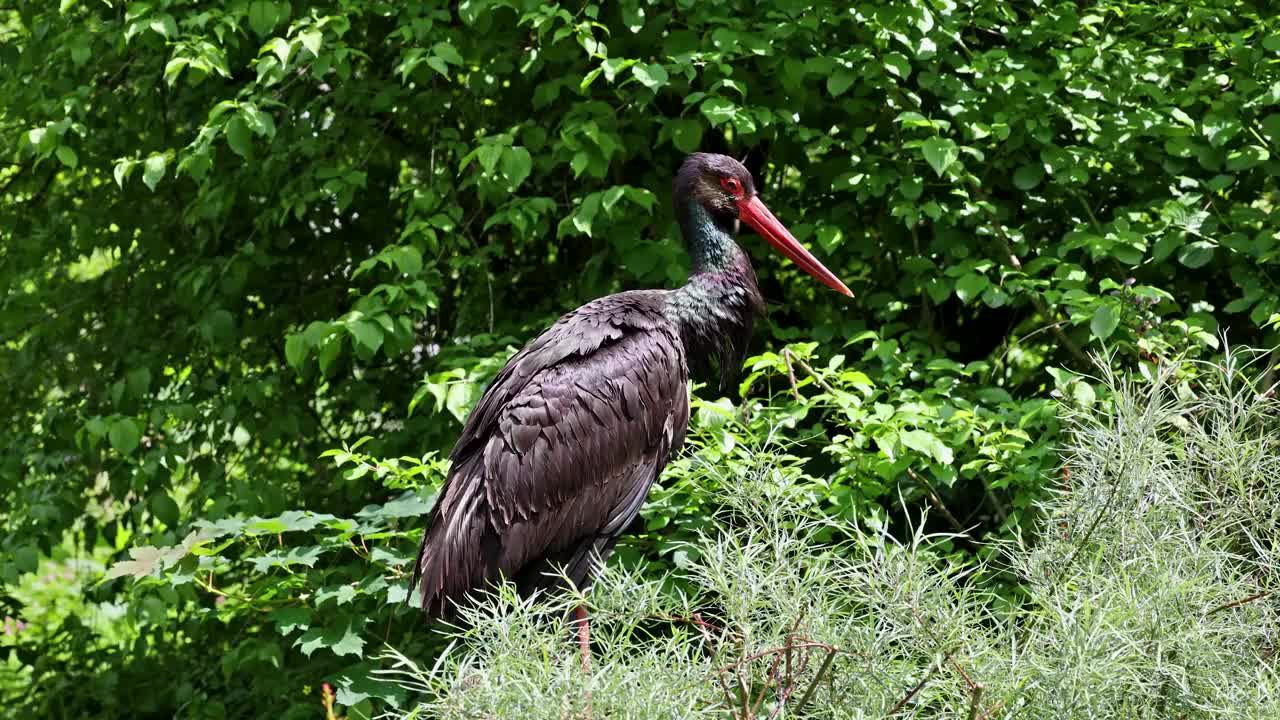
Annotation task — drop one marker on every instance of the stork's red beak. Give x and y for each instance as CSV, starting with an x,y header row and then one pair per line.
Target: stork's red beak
x,y
754,213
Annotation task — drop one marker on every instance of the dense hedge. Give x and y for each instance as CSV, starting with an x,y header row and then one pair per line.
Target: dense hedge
x,y
236,236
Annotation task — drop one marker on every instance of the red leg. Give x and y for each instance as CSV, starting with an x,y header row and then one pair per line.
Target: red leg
x,y
584,638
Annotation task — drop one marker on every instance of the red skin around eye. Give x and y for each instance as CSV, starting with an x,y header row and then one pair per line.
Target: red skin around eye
x,y
732,185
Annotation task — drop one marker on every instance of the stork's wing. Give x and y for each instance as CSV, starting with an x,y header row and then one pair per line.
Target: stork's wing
x,y
558,456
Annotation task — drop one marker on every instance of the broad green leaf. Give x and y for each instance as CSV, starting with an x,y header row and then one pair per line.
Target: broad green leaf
x,y
1247,157
311,40
237,132
153,170
295,350
516,165
280,47
686,134
1083,393
897,65
970,286
718,110
122,171
291,619
27,558
1028,176
1104,322
840,81
447,52
165,509
586,213
367,334
67,156
927,443
263,16
259,122
1196,254
652,76
342,639
940,153
406,258
124,435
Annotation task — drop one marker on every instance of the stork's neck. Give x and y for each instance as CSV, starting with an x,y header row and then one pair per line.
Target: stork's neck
x,y
708,239
715,310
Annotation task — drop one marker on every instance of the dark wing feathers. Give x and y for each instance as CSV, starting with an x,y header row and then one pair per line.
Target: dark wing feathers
x,y
559,454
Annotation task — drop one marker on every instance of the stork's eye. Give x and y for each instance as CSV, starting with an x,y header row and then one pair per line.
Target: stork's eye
x,y
732,185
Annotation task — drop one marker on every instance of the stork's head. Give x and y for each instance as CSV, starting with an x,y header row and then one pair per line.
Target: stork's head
x,y
725,190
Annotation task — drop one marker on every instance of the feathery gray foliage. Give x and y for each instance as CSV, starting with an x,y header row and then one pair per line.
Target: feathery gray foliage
x,y
1147,594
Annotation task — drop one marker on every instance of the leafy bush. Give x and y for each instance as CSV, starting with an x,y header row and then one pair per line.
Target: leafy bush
x,y
236,236
1150,594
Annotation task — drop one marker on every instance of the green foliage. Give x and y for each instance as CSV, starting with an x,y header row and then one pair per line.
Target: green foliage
x,y
1149,595
235,236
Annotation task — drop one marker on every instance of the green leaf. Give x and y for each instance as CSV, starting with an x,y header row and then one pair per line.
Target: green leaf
x,y
940,153
259,122
237,132
1247,157
586,214
295,350
67,156
489,155
840,81
718,110
447,53
1104,322
124,435
122,171
829,237
1028,176
263,16
367,334
27,558
897,65
925,442
164,508
970,286
652,76
97,428
341,640
153,170
516,165
329,351
1083,393
311,40
290,619
280,47
1196,254
686,134
406,258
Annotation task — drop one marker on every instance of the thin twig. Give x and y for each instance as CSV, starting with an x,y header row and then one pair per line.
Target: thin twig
x,y
936,500
764,690
791,373
779,650
782,702
912,693
992,710
1242,601
816,378
995,501
804,699
1097,519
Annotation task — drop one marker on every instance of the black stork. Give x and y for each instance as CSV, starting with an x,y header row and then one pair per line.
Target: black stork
x,y
557,457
